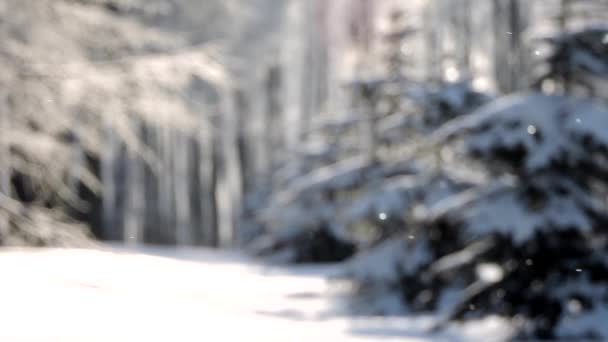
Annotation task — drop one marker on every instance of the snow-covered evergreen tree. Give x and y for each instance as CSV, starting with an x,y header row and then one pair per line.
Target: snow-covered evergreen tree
x,y
528,240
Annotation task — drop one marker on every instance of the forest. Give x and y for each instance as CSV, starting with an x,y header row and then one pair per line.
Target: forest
x,y
448,157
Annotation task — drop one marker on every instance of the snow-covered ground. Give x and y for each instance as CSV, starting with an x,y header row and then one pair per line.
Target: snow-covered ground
x,y
159,294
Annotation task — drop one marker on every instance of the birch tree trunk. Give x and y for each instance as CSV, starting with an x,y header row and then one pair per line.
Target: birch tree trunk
x,y
182,189
564,16
433,44
273,82
501,61
108,169
165,180
508,49
466,39
229,187
515,45
5,161
337,41
246,136
293,64
207,180
152,220
135,202
77,164
312,65
258,133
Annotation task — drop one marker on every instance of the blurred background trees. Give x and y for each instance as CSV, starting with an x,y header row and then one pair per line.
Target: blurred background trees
x,y
445,146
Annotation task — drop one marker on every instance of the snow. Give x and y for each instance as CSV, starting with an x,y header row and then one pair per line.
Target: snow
x,y
543,139
501,209
490,272
550,128
366,190
578,320
590,321
396,195
462,257
381,263
378,271
507,214
449,100
391,199
159,294
340,175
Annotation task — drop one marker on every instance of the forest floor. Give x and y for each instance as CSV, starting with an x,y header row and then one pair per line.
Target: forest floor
x,y
154,294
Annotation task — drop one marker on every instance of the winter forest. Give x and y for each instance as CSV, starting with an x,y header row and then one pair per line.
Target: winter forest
x,y
426,169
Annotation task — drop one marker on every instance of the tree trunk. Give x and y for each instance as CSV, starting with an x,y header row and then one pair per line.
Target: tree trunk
x,y
5,162
109,193
152,215
515,46
275,139
466,39
182,189
563,26
433,44
293,66
229,187
501,54
564,15
508,49
135,205
207,180
165,178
